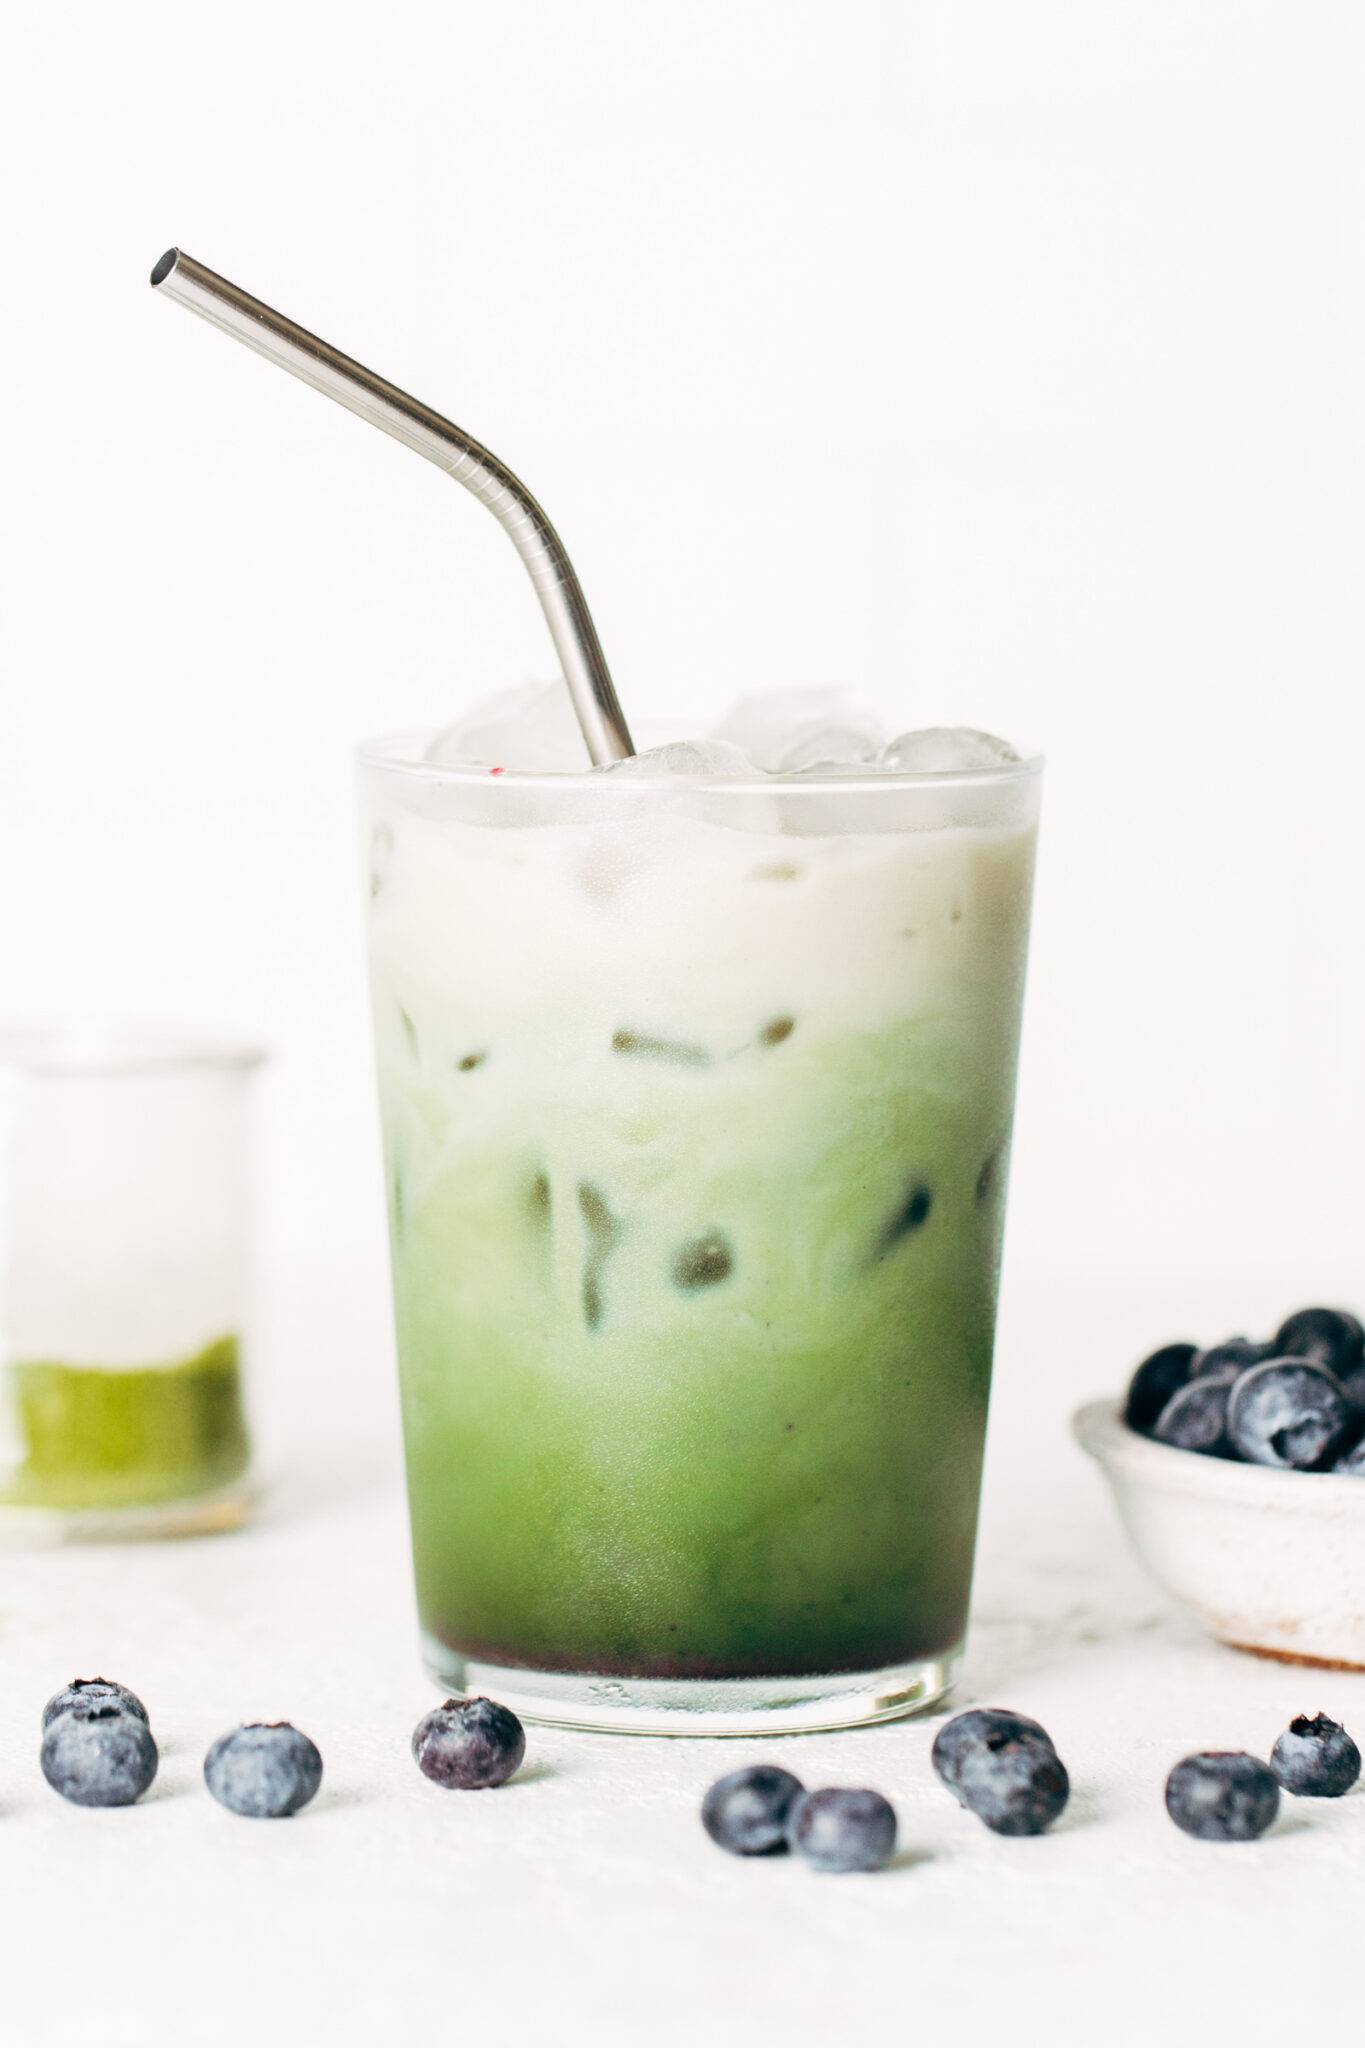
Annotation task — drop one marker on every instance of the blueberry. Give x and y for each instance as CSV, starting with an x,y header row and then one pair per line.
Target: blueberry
x,y
1329,1336
1196,1417
1238,1352
1353,1387
265,1770
102,1692
1315,1758
1154,1382
96,1754
978,1729
843,1830
1003,1767
1352,1462
1016,1785
467,1745
746,1811
1222,1796
1290,1413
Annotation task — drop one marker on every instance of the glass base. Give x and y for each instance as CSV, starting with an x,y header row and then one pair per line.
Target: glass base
x,y
700,1706
200,1514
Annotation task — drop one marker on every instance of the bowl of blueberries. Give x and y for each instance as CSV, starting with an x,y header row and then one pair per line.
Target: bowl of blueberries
x,y
1238,1470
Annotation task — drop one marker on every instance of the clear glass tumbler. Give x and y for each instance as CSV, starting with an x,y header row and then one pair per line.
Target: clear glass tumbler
x,y
697,1104
123,1240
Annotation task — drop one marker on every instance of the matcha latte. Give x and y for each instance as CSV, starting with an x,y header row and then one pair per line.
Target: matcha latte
x,y
696,1086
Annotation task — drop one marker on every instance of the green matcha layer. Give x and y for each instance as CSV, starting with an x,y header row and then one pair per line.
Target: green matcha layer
x,y
711,1404
95,1438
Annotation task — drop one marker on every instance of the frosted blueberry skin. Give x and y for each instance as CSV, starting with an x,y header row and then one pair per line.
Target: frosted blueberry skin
x,y
264,1770
842,1830
1315,1758
1222,1796
1295,1403
1291,1414
468,1745
746,1812
1004,1768
1155,1381
96,1754
100,1692
1019,1787
1330,1336
979,1728
1237,1352
1196,1418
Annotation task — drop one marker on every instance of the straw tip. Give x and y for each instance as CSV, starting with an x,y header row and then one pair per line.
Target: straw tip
x,y
164,265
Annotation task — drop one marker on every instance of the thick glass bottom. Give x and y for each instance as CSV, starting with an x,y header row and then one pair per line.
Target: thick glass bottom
x,y
700,1706
200,1514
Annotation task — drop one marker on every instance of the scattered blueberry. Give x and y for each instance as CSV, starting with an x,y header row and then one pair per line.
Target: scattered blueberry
x,y
1222,1796
1315,1758
746,1811
1238,1352
1196,1417
467,1745
1015,1784
843,1830
1289,1413
264,1770
979,1728
1154,1382
1004,1768
96,1754
1330,1336
102,1692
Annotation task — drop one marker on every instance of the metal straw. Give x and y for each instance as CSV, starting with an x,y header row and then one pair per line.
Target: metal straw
x,y
417,426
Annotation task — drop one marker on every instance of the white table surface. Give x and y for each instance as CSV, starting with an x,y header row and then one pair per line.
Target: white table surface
x,y
583,1902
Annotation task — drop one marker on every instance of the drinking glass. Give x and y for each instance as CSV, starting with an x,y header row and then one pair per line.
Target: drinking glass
x,y
696,1100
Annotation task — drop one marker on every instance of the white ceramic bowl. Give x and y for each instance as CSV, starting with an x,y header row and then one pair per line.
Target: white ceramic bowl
x,y
1269,1561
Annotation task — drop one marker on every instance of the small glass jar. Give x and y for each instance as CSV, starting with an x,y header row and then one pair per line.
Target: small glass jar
x,y
123,1254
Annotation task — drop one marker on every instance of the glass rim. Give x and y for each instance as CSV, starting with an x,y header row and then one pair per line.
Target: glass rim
x,y
402,754
80,1049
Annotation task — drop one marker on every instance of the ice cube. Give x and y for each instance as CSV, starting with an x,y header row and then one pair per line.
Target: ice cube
x,y
945,750
828,749
689,760
769,727
532,729
699,779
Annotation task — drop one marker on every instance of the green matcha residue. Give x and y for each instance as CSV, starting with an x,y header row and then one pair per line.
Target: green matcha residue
x,y
93,1438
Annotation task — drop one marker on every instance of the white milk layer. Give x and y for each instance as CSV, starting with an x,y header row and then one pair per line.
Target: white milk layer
x,y
643,913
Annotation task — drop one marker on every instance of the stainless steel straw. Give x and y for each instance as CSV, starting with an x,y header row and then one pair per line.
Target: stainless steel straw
x,y
561,596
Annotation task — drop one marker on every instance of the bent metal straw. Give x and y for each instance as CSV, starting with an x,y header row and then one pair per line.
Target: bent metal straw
x,y
178,276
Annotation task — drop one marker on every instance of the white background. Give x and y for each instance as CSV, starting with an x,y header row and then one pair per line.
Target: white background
x,y
1005,360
